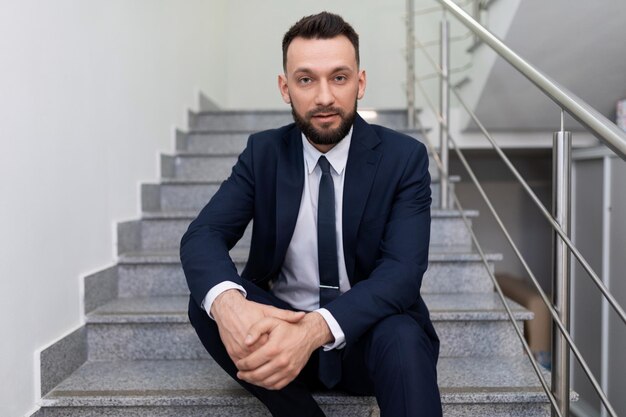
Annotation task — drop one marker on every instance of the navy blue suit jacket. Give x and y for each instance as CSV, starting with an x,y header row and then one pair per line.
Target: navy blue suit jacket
x,y
386,223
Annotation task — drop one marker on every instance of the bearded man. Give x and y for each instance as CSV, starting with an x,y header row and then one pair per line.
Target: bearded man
x,y
330,295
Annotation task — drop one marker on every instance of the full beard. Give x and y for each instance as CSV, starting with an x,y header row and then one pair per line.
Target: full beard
x,y
326,136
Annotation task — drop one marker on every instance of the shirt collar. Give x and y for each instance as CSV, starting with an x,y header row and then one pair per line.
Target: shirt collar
x,y
337,156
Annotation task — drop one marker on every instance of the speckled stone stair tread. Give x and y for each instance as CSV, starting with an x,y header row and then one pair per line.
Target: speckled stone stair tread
x,y
259,120
230,142
203,382
163,229
240,254
485,306
191,214
452,269
127,328
192,194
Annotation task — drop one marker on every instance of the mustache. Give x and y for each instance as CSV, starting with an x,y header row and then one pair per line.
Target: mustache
x,y
324,110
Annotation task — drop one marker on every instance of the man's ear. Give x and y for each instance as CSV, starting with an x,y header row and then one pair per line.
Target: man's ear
x,y
362,84
283,88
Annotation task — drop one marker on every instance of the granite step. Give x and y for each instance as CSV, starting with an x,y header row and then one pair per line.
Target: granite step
x,y
232,142
211,167
193,167
212,141
471,387
158,273
180,194
256,120
158,327
164,229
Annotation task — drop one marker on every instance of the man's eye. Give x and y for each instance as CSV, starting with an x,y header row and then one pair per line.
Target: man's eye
x,y
305,80
341,78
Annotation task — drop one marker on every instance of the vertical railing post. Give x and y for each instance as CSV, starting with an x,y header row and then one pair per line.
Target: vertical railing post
x,y
476,14
410,64
561,203
444,110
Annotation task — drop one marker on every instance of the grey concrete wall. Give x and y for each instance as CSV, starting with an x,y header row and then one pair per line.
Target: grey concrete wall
x,y
617,329
522,218
587,225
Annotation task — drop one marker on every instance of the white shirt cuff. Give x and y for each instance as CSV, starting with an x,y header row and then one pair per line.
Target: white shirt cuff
x,y
217,290
335,329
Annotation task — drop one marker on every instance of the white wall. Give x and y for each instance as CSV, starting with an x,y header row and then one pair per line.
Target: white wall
x,y
254,30
89,93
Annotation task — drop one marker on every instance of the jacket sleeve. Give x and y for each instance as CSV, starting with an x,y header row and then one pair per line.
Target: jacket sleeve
x,y
219,226
394,284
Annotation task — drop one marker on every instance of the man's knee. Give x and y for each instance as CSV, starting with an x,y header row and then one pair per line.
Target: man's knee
x,y
398,339
402,363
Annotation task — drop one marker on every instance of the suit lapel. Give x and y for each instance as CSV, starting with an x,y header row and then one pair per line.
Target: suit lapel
x,y
289,185
360,172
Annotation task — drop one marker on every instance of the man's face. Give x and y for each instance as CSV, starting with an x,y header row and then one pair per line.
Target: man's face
x,y
322,82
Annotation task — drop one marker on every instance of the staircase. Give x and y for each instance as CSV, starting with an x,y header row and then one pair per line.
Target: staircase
x,y
138,356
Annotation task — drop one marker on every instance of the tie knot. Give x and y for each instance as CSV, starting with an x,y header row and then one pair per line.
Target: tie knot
x,y
324,164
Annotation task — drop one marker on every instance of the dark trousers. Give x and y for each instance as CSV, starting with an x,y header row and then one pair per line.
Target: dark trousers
x,y
394,361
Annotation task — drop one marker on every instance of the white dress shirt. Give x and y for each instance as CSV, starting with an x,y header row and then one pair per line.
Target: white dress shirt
x,y
298,280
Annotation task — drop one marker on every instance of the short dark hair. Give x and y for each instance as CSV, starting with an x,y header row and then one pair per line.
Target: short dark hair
x,y
323,25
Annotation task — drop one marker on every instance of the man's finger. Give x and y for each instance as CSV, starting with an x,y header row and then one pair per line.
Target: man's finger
x,y
256,345
286,315
267,377
259,375
257,358
262,375
260,328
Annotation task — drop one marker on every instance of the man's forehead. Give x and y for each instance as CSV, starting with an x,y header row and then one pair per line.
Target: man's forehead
x,y
315,53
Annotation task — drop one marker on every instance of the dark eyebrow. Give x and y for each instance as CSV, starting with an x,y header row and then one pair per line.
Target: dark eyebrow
x,y
305,70
342,69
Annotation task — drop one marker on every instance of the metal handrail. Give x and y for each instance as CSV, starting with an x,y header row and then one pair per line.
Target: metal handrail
x,y
457,38
519,255
544,298
422,45
595,122
583,262
454,70
586,112
519,333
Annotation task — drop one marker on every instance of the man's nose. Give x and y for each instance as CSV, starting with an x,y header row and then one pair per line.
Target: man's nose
x,y
324,95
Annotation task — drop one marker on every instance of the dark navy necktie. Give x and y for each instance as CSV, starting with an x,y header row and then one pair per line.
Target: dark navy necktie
x,y
330,361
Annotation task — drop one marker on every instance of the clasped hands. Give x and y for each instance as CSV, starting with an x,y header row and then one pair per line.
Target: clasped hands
x,y
268,345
